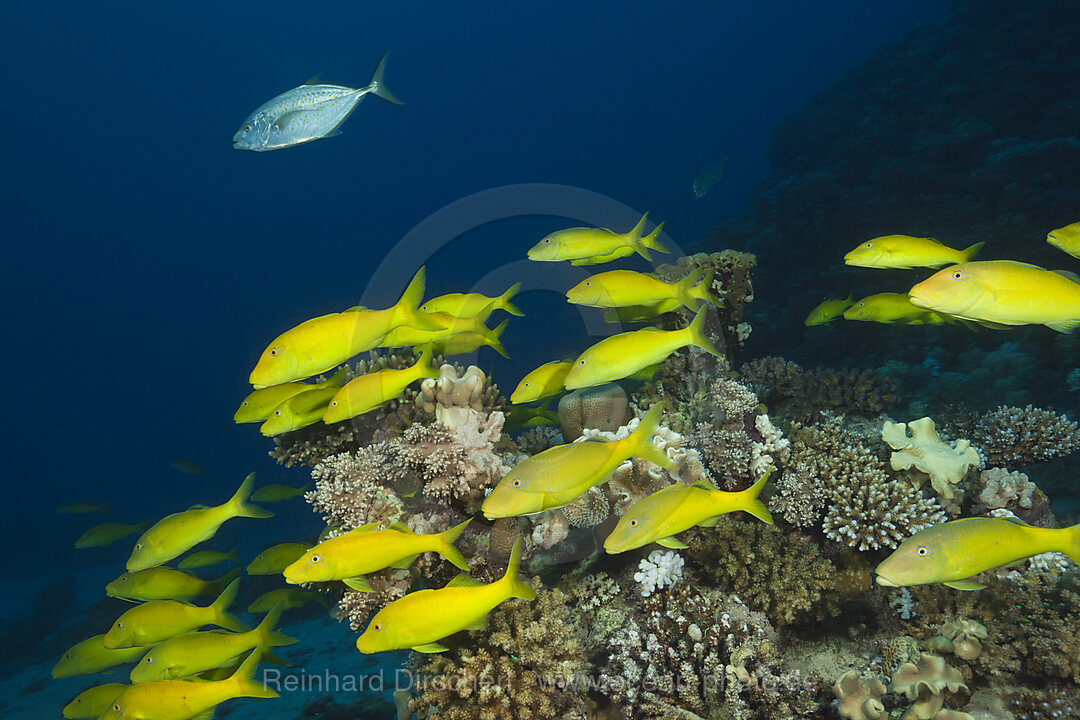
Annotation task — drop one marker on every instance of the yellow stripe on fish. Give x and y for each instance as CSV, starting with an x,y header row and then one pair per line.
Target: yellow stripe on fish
x,y
259,404
1066,239
559,475
953,552
666,513
367,549
158,620
175,534
622,355
421,619
325,342
905,251
370,391
544,381
274,559
165,583
586,246
626,288
464,305
183,700
892,308
195,652
828,310
1003,292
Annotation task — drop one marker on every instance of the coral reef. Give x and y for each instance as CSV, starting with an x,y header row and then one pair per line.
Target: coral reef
x,y
924,450
1012,437
454,393
802,394
604,407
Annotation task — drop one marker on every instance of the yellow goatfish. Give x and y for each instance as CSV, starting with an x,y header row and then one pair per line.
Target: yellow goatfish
x,y
325,342
640,313
158,620
1066,239
905,251
448,326
274,559
165,583
463,305
195,652
91,703
91,656
560,475
367,549
828,310
107,533
421,619
626,288
522,417
299,411
258,405
368,392
953,552
587,246
664,514
1003,292
286,598
544,381
466,342
206,558
276,492
183,699
175,534
892,308
622,355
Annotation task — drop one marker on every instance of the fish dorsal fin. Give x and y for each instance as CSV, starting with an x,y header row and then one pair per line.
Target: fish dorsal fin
x,y
314,80
369,527
401,527
1068,275
199,506
464,580
430,648
703,483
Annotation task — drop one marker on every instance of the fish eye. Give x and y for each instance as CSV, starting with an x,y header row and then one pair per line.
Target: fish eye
x,y
274,351
333,403
922,552
516,483
119,624
633,523
277,412
116,707
869,244
138,546
247,127
149,659
377,626
957,275
316,558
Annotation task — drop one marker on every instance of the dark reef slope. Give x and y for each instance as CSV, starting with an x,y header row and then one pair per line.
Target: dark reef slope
x,y
965,129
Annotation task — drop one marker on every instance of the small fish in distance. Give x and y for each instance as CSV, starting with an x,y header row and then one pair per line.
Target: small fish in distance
x,y
309,112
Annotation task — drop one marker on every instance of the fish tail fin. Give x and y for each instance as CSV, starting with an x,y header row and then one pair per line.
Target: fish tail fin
x,y
504,300
697,334
495,341
378,83
640,441
423,363
244,677
684,290
1072,546
337,379
141,527
517,587
447,549
231,555
752,504
223,582
650,240
635,240
220,609
972,251
407,309
265,629
238,503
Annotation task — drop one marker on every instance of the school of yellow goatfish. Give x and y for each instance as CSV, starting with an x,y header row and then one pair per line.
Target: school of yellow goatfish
x,y
184,670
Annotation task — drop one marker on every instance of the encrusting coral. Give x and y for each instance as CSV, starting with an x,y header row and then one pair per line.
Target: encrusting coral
x,y
924,450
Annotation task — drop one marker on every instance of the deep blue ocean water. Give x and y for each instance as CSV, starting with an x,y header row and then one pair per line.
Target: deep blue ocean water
x,y
147,263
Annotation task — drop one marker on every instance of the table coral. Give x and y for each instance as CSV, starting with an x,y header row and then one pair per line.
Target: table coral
x,y
924,449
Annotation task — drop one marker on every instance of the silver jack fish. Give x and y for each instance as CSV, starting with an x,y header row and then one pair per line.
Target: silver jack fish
x,y
309,112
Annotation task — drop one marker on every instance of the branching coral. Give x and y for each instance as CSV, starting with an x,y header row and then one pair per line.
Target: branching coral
x,y
802,394
528,663
775,571
1012,437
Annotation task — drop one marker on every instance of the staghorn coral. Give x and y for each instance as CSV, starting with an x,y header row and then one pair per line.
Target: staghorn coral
x,y
924,450
787,579
1012,437
868,513
802,394
349,490
527,663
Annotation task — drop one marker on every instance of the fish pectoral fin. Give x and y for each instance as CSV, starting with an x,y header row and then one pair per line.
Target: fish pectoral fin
x,y
479,624
359,583
964,585
672,542
464,580
430,648
204,715
709,522
404,562
1065,326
